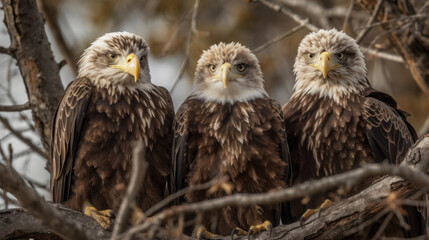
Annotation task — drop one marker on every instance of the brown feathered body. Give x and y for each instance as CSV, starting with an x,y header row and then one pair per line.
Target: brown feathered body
x,y
111,125
328,138
337,121
242,141
229,126
99,122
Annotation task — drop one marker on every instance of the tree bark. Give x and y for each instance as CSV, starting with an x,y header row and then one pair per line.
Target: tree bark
x,y
20,224
31,48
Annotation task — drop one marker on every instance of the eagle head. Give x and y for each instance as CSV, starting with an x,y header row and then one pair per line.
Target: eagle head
x,y
228,73
329,63
116,60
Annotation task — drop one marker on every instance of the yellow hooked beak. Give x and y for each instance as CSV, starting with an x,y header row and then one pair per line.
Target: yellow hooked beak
x,y
325,64
131,66
226,73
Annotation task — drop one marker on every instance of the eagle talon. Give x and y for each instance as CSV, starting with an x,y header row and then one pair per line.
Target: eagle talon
x,y
103,217
112,214
202,233
310,212
234,231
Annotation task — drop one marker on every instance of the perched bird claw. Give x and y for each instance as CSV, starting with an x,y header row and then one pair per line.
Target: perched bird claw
x,y
112,214
233,232
202,233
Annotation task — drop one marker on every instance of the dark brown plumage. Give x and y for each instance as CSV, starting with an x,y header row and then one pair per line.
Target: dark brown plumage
x,y
102,115
230,127
335,120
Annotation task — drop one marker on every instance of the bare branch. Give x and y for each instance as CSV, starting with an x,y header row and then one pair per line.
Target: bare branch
x,y
191,31
7,51
374,15
278,38
278,8
139,171
28,198
27,141
180,193
312,7
51,14
15,108
346,23
387,56
415,176
36,62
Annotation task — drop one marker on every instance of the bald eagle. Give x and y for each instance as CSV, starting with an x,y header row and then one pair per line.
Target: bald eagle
x,y
105,111
336,120
229,126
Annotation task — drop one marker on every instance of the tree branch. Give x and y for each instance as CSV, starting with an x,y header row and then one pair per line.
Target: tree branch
x,y
192,30
15,108
278,38
374,15
138,173
7,51
412,43
51,14
27,141
279,8
28,198
37,65
414,169
383,55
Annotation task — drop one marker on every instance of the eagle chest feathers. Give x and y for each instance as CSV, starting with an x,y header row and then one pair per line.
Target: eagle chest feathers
x,y
113,124
333,133
240,140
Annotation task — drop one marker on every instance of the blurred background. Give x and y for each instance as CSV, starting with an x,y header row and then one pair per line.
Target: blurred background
x,y
177,33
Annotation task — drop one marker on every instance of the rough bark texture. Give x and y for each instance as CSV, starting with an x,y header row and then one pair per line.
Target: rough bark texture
x,y
20,224
410,40
32,50
334,223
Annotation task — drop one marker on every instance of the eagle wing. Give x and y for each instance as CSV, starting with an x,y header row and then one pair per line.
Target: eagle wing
x,y
388,132
179,157
66,126
284,212
284,147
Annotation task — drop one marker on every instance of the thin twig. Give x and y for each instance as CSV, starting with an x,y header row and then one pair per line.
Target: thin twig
x,y
180,193
383,226
15,108
387,56
363,33
191,31
139,171
9,159
279,8
313,8
27,141
278,38
50,15
415,176
29,199
34,183
346,22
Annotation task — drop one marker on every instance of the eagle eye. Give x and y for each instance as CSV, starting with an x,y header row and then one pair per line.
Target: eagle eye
x,y
310,55
241,67
142,58
112,56
212,68
340,55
